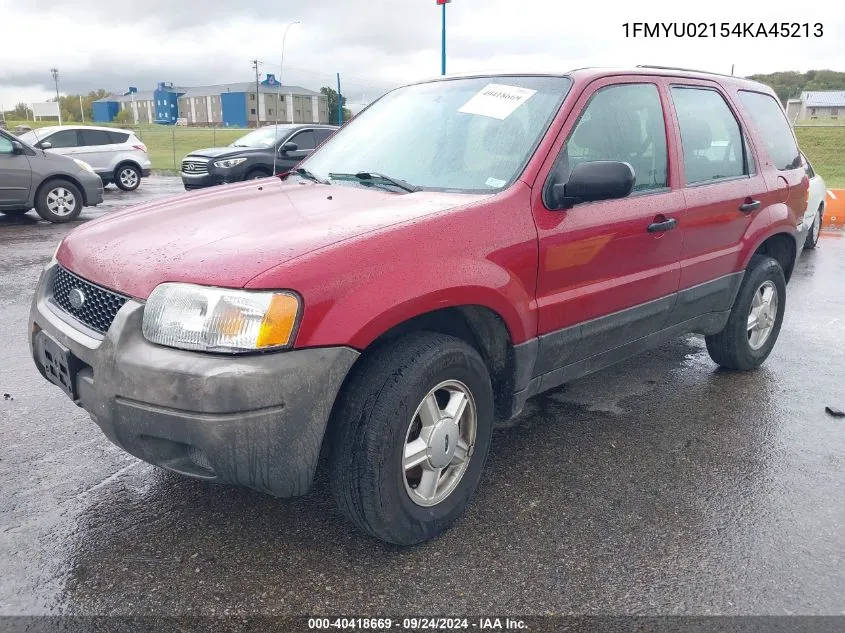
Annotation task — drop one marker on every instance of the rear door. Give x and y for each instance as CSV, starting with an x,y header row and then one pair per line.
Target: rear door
x,y
605,277
723,189
15,175
96,149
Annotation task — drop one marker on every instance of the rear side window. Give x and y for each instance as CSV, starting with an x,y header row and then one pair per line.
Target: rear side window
x,y
304,140
808,168
65,138
712,142
774,129
94,137
624,123
115,138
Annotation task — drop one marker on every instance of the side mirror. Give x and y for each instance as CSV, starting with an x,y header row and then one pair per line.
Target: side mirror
x,y
592,181
289,147
45,145
17,147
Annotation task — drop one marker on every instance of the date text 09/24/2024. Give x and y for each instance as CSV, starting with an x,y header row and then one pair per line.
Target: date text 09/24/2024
x,y
418,624
723,29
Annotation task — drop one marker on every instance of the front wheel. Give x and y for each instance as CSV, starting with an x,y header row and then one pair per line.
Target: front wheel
x,y
58,201
410,436
755,320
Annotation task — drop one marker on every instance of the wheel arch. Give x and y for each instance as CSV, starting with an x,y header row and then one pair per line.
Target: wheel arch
x,y
64,177
781,246
124,162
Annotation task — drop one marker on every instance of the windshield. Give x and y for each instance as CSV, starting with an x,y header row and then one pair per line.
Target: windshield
x,y
466,135
30,138
264,137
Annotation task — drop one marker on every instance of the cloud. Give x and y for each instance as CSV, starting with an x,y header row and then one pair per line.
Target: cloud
x,y
377,44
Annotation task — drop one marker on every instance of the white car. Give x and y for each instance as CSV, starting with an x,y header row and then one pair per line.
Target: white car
x,y
116,155
815,207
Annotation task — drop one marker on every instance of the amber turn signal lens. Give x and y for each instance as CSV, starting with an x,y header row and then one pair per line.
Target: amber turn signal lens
x,y
279,321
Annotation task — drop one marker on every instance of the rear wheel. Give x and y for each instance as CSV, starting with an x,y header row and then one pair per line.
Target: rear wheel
x,y
127,177
815,231
58,201
411,433
756,317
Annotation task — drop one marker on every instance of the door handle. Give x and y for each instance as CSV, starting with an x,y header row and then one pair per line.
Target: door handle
x,y
664,225
751,205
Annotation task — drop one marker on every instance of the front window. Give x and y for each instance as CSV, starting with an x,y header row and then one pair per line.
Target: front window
x,y
263,137
467,135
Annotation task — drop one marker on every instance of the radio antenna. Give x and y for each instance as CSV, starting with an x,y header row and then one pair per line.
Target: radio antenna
x,y
279,96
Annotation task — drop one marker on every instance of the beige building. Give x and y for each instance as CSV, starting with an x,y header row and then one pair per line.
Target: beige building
x,y
823,104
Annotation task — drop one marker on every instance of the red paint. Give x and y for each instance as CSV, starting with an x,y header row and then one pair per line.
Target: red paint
x,y
366,260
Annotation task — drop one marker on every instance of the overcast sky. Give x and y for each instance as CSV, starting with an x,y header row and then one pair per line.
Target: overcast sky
x,y
376,44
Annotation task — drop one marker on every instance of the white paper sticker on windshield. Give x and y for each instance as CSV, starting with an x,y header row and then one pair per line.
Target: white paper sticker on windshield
x,y
496,183
497,101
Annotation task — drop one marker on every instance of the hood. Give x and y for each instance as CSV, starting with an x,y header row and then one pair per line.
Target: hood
x,y
217,152
225,236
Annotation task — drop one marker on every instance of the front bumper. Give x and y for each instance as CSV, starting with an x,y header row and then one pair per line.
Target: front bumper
x,y
92,186
255,420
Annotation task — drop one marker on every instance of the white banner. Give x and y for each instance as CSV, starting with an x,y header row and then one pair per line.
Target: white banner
x,y
50,108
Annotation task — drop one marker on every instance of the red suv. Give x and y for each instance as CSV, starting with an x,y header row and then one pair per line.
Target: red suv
x,y
459,247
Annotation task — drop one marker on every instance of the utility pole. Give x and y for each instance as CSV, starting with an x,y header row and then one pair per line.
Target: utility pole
x,y
732,70
442,4
55,72
339,103
81,109
255,64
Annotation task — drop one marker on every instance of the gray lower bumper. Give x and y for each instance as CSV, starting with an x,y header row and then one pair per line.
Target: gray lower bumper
x,y
256,421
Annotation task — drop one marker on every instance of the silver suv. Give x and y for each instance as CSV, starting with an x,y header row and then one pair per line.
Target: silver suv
x,y
117,156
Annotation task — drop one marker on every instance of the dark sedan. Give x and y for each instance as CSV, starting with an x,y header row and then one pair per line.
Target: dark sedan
x,y
254,155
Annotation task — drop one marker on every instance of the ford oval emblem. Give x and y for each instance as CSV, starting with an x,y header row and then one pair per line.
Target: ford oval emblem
x,y
76,298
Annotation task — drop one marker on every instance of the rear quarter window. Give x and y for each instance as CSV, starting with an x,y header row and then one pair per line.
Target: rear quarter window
x,y
770,120
115,138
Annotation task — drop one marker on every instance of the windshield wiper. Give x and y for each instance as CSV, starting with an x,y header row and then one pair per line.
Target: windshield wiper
x,y
301,171
372,177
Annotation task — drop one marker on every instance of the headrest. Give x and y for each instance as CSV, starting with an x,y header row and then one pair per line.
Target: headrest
x,y
696,135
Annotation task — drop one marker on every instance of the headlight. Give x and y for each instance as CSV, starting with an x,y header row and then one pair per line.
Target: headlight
x,y
229,162
84,165
220,320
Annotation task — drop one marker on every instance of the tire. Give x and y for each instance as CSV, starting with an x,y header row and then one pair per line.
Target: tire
x,y
376,415
17,213
736,346
58,201
127,177
255,174
815,230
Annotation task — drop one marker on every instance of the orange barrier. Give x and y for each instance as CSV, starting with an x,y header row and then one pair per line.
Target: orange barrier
x,y
834,214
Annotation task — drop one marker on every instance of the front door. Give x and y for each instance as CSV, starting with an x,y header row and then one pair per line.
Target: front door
x,y
64,142
305,144
15,175
609,270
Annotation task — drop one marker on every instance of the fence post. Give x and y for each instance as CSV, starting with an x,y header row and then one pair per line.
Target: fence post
x,y
173,137
214,136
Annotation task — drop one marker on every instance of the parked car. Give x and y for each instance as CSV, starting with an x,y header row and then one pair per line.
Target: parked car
x,y
254,155
118,156
57,186
814,216
409,285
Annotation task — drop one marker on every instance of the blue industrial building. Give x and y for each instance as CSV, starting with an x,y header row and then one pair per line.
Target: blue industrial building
x,y
227,105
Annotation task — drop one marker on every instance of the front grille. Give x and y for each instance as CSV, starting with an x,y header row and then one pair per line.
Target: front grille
x,y
195,167
99,306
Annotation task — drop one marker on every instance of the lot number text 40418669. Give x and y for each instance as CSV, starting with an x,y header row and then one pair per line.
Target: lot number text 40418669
x,y
723,29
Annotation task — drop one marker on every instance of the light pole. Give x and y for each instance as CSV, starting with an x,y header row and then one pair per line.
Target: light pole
x,y
55,72
443,3
279,91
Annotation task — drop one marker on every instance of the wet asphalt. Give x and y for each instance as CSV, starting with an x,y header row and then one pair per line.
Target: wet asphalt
x,y
660,486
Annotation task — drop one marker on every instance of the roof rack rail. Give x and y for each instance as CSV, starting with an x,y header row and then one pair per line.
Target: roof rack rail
x,y
688,70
